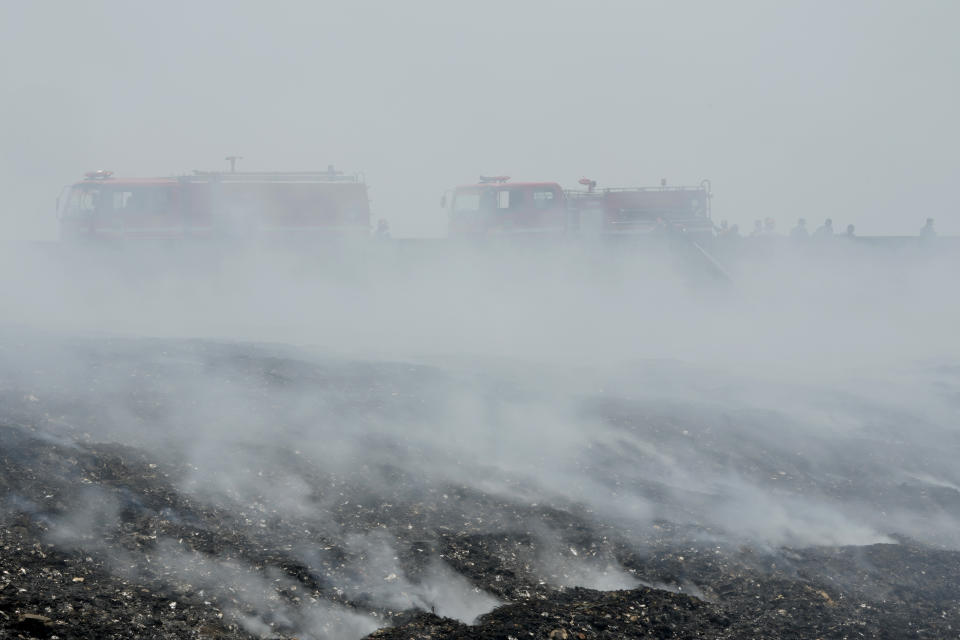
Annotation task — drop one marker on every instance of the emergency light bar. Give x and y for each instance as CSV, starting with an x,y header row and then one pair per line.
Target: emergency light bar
x,y
99,174
494,179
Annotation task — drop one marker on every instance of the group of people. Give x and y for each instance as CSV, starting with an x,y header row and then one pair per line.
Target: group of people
x,y
767,227
823,231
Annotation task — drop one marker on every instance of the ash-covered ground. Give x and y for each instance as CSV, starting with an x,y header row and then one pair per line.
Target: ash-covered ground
x,y
332,498
230,488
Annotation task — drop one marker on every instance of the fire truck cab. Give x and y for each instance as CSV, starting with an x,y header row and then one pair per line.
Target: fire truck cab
x,y
105,207
496,206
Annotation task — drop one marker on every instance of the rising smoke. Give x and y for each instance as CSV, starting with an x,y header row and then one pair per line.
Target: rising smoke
x,y
347,411
762,412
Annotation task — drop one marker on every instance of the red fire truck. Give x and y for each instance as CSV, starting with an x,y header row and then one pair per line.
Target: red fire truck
x,y
497,206
215,205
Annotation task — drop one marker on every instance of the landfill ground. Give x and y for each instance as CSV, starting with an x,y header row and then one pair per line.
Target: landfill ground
x,y
198,489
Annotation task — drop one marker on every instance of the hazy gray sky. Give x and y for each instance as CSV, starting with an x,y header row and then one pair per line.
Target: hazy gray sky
x,y
817,109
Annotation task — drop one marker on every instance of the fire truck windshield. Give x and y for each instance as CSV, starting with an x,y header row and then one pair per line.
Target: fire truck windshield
x,y
488,199
81,200
466,201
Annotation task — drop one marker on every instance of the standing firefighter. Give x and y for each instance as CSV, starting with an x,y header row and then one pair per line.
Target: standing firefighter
x,y
800,232
382,232
825,231
769,227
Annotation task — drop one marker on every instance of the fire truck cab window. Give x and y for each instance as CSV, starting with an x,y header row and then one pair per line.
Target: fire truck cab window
x,y
543,199
123,200
509,198
82,200
466,201
136,201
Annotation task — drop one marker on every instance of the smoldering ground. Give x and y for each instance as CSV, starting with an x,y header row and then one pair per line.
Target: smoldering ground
x,y
317,447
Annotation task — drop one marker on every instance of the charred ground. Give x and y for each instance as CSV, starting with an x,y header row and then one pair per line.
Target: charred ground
x,y
116,524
